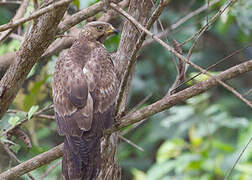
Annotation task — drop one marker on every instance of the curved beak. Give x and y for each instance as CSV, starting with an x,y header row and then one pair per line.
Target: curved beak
x,y
112,30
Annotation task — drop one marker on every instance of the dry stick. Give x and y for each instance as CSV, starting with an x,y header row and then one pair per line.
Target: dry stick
x,y
49,169
169,101
13,156
134,126
33,163
132,20
80,16
111,14
20,13
33,15
175,83
37,114
181,21
10,2
248,92
214,65
237,160
132,61
200,34
35,3
131,143
212,20
135,117
140,103
63,26
207,12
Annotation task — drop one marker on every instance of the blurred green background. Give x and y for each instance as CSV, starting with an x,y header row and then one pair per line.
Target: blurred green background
x,y
199,139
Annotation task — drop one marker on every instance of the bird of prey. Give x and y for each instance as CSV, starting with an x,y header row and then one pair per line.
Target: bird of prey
x,y
85,87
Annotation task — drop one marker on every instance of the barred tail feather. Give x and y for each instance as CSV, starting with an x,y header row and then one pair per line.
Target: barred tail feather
x,y
82,158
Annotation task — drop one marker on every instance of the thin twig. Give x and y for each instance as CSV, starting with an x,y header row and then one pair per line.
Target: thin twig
x,y
20,13
170,101
10,2
169,48
134,126
130,66
33,163
34,15
248,92
177,80
49,169
237,160
180,22
135,117
214,65
38,113
211,21
131,143
13,156
140,103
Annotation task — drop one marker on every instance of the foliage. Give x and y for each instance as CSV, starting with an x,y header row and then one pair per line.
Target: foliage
x,y
204,145
198,139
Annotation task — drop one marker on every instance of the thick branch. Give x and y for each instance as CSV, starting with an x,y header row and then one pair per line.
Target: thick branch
x,y
34,45
168,102
80,16
34,15
137,116
33,163
181,57
20,13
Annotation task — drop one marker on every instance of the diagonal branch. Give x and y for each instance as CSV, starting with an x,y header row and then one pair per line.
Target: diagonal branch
x,y
33,163
20,13
180,22
128,68
137,116
170,101
33,46
169,48
34,15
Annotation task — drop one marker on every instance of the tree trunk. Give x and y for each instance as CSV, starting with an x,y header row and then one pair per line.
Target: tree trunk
x,y
140,10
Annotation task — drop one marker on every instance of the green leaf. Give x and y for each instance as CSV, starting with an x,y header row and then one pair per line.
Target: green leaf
x,y
170,149
76,3
14,120
138,175
158,171
201,77
15,148
32,110
245,168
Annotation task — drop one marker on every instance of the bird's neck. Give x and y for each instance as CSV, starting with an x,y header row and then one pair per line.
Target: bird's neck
x,y
82,49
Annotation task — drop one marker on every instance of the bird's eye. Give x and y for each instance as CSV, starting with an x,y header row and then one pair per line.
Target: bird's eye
x,y
99,28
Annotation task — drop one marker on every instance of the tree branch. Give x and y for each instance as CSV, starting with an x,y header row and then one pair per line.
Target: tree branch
x,y
20,13
180,22
137,116
169,101
181,57
33,163
33,46
34,15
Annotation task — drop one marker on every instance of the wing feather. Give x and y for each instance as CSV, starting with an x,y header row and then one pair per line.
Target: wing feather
x,y
80,91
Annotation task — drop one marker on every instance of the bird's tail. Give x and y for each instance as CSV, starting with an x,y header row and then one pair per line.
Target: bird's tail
x,y
82,158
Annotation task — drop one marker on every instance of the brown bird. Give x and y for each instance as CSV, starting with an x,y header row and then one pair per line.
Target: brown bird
x,y
85,87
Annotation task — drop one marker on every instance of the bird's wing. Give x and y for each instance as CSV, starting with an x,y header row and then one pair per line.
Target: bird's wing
x,y
72,99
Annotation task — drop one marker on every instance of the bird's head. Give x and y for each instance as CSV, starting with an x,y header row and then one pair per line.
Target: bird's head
x,y
97,31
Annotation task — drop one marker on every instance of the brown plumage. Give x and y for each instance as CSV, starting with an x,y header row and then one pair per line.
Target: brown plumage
x,y
84,92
